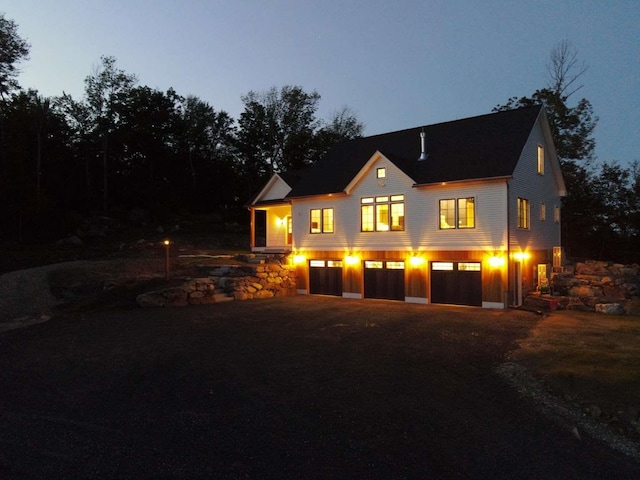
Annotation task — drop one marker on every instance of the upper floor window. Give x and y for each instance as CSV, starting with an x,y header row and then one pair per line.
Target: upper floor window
x,y
540,159
523,212
543,211
381,172
321,220
381,214
556,214
457,213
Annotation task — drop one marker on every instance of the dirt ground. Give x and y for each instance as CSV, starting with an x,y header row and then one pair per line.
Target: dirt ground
x,y
298,387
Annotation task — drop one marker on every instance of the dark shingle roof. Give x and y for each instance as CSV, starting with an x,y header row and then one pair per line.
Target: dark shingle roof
x,y
480,147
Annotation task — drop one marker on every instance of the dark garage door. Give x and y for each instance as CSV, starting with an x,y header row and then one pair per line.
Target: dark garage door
x,y
458,283
325,277
384,279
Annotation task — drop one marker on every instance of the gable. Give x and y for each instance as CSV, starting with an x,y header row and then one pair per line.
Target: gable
x,y
377,160
275,189
482,147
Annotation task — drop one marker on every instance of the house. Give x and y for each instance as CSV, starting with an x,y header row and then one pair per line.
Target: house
x,y
465,212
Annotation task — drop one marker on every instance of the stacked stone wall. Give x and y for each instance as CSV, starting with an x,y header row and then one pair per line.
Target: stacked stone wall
x,y
598,286
272,277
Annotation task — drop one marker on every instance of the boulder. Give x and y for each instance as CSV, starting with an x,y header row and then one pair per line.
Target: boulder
x,y
609,308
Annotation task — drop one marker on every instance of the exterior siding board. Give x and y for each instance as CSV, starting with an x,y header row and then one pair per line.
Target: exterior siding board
x,y
421,216
527,183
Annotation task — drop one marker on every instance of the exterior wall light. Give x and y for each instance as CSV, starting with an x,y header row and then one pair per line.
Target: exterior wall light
x,y
416,261
298,259
351,259
496,261
521,256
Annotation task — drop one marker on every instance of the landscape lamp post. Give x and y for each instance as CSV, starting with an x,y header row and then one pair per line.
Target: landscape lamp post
x,y
166,243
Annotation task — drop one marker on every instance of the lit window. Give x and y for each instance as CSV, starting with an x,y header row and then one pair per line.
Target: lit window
x,y
334,263
442,266
382,214
395,265
556,214
543,211
469,266
381,172
523,212
466,213
373,264
316,263
540,159
457,213
367,218
321,220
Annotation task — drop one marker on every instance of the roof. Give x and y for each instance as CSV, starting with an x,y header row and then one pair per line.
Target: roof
x,y
482,147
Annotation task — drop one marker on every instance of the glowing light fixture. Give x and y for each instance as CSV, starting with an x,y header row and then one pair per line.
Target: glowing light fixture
x,y
351,259
416,261
298,259
496,261
521,256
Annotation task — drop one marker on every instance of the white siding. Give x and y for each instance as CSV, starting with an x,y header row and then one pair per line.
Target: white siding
x,y
421,216
529,184
277,226
275,189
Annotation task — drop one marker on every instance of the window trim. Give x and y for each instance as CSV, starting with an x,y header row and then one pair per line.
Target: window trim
x,y
323,225
456,213
540,160
375,206
523,208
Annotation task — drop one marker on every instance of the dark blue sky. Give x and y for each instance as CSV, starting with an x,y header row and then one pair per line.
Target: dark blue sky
x,y
396,64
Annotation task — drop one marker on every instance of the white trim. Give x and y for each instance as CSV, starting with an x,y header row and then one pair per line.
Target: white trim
x,y
301,291
363,171
421,300
498,305
355,296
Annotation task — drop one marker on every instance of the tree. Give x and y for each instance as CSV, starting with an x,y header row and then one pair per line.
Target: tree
x,y
278,127
13,50
107,87
572,128
343,125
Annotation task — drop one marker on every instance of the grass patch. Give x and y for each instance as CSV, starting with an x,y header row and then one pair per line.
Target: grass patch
x,y
589,358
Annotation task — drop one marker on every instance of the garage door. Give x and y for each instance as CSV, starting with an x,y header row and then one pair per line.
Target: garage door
x,y
325,277
384,279
458,283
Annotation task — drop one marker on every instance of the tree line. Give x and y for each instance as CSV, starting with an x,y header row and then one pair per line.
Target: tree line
x,y
124,145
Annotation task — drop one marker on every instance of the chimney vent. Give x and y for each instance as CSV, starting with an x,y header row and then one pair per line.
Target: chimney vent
x,y
423,149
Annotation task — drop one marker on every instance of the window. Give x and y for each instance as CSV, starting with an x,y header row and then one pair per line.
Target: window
x,y
442,266
321,220
381,172
469,266
556,214
523,213
543,211
540,159
457,213
382,214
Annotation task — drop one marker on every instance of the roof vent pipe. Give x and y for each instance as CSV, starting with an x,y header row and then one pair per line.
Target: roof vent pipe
x,y
423,150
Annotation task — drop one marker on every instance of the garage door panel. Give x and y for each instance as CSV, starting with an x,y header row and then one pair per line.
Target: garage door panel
x,y
456,283
385,282
325,280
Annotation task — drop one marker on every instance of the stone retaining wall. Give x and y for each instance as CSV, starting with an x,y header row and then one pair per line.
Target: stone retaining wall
x,y
598,286
272,278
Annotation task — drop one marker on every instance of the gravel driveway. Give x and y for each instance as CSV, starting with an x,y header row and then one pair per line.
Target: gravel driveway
x,y
25,298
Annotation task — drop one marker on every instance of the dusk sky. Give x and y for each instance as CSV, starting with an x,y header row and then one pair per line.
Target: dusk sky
x,y
396,64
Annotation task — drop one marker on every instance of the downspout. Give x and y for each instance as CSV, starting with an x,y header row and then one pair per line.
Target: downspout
x,y
506,294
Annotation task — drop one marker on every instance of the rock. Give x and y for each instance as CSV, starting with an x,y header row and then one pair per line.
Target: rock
x,y
609,308
151,299
73,241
